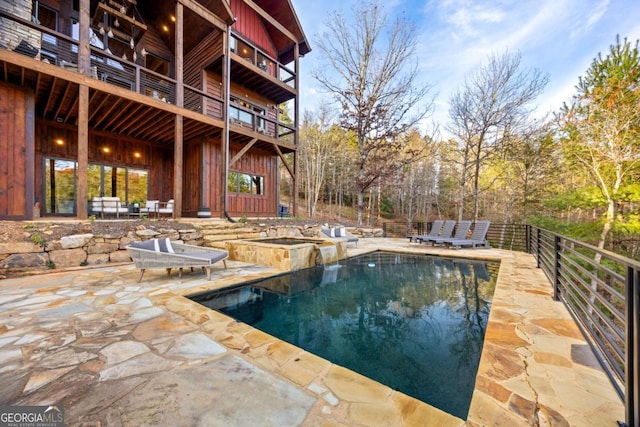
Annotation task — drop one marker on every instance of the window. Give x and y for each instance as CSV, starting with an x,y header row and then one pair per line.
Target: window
x,y
245,184
129,184
48,18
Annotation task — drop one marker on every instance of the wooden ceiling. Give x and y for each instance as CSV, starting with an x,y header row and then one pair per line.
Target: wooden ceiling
x,y
158,15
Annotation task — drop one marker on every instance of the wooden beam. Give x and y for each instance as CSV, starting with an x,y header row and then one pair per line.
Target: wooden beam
x,y
204,13
241,153
284,161
178,146
272,21
82,189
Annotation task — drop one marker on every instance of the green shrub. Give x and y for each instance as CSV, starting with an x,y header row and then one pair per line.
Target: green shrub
x,y
38,240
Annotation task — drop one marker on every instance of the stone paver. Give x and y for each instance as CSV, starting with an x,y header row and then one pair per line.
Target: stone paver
x,y
116,352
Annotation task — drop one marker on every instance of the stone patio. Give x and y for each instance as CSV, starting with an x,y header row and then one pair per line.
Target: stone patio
x,y
116,352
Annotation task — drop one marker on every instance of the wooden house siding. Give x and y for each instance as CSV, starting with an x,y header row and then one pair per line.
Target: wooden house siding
x,y
251,27
96,96
200,57
255,162
212,175
16,153
214,88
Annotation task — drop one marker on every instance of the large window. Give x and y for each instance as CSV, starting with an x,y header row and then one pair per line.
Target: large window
x,y
129,184
60,187
245,183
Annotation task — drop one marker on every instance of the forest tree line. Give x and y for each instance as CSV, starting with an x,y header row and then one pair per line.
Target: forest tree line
x,y
576,171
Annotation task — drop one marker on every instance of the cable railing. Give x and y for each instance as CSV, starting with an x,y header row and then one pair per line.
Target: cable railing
x,y
601,290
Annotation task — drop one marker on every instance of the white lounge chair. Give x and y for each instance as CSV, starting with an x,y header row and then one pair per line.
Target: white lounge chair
x,y
478,237
435,232
162,253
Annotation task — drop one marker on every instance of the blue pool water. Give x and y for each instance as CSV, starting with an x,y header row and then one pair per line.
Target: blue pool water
x,y
415,323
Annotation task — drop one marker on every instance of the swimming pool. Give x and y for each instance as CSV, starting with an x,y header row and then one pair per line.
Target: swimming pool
x,y
414,323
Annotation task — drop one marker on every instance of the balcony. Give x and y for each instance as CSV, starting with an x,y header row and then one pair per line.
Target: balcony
x,y
111,110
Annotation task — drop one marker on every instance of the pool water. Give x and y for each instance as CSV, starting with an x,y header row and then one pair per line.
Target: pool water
x,y
414,323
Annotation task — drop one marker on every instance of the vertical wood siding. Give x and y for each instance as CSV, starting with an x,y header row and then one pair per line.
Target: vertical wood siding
x,y
251,27
16,153
199,57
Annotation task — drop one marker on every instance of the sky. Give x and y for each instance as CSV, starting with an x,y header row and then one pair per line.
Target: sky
x,y
456,37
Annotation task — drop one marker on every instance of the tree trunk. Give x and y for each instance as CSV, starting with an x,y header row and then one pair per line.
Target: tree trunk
x,y
360,206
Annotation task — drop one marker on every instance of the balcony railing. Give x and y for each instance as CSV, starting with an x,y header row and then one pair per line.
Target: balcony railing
x,y
601,289
58,49
263,61
247,118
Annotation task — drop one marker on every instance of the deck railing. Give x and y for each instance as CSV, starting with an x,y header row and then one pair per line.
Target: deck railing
x,y
601,290
48,46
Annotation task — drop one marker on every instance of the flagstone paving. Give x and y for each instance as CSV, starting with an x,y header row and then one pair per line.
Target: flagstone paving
x,y
115,352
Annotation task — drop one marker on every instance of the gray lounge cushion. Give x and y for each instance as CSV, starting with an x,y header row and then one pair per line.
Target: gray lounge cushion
x,y
156,245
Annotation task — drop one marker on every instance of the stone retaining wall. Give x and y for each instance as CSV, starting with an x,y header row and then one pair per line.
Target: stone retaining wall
x,y
22,258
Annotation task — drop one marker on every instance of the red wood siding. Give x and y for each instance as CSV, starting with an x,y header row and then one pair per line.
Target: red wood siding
x,y
250,26
214,88
199,57
255,162
191,178
16,153
212,171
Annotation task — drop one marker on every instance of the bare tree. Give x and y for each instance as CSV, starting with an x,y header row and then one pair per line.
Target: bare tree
x,y
491,106
318,144
373,78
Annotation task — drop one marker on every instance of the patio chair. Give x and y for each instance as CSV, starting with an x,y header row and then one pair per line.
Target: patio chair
x,y
150,206
108,206
478,237
165,208
435,232
339,233
461,233
162,253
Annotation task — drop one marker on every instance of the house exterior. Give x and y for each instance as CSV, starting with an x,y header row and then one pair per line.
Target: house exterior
x,y
189,101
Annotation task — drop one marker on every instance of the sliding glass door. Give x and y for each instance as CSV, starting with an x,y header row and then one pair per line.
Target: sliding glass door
x,y
60,187
130,185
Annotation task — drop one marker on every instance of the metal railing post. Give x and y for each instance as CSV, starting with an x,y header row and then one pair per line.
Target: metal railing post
x,y
538,247
632,370
556,267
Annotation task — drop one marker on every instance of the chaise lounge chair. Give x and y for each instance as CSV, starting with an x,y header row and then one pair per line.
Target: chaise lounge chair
x,y
435,232
445,233
162,253
461,233
478,237
339,233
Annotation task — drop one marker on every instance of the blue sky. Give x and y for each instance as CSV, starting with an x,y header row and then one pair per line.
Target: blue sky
x,y
455,37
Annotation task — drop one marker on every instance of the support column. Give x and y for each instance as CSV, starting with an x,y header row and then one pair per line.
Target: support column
x,y
226,78
178,148
296,122
84,67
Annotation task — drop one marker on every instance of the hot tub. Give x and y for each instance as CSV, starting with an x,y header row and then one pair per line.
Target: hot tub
x,y
284,253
